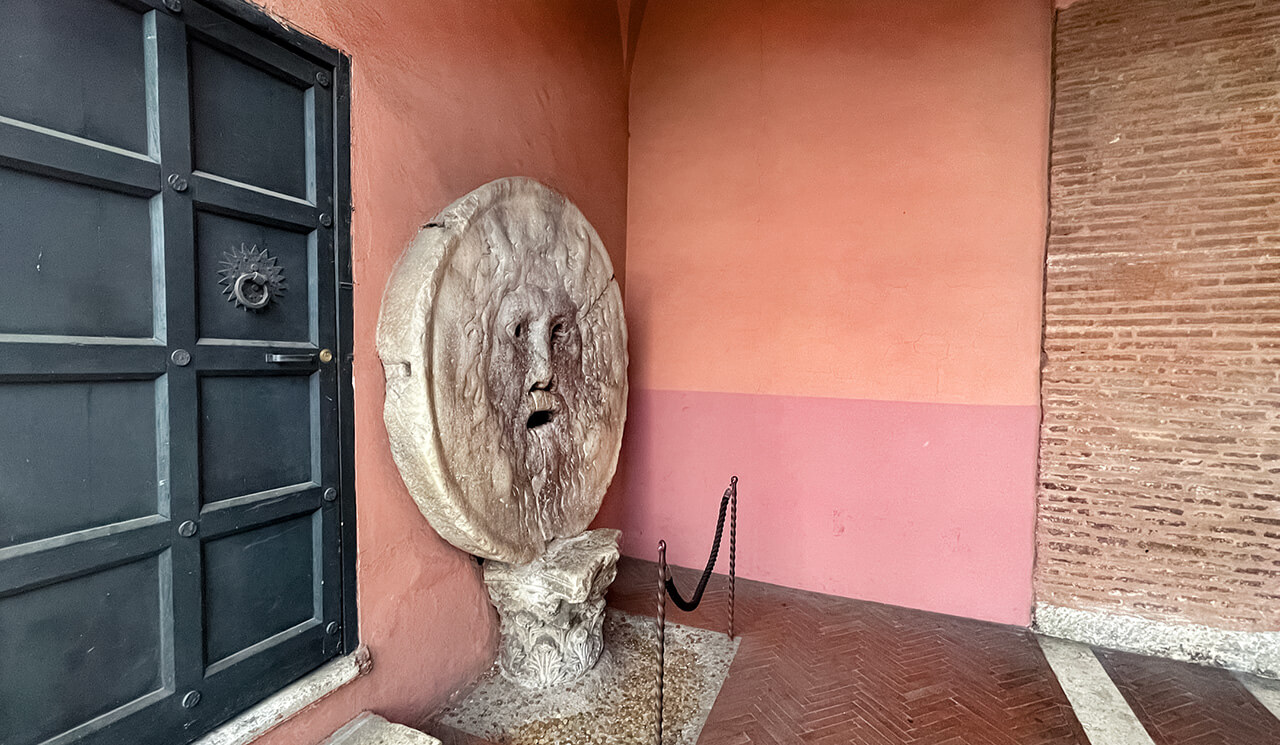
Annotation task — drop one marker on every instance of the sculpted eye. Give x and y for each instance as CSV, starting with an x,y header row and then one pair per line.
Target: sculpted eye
x,y
558,330
518,330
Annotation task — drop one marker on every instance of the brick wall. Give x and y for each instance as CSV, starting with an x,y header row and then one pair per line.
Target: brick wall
x,y
1160,450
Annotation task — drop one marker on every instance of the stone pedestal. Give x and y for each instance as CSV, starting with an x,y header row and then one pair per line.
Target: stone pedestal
x,y
552,608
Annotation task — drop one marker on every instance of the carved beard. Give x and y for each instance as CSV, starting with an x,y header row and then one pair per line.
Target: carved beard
x,y
546,456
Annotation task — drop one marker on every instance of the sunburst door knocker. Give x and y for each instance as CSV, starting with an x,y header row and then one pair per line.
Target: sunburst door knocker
x,y
250,278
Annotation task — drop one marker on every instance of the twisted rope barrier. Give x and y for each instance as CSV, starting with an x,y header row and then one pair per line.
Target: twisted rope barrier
x,y
667,587
730,495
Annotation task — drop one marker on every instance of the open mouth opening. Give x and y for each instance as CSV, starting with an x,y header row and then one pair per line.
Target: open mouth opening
x,y
539,418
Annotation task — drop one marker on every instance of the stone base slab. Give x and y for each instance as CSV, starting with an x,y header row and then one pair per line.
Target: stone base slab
x,y
371,729
613,703
1251,652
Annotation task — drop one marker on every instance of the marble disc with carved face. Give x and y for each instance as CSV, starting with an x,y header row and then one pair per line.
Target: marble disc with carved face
x,y
505,351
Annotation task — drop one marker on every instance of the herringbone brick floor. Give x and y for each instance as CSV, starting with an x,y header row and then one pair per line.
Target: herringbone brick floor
x,y
1182,704
821,669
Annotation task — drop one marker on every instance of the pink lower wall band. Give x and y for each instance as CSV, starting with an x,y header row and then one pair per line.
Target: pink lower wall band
x,y
922,505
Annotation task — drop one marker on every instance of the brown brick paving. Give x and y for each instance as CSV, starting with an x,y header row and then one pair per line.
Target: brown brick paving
x,y
1181,704
820,669
816,668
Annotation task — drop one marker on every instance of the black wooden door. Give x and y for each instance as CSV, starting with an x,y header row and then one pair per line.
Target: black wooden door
x,y
169,370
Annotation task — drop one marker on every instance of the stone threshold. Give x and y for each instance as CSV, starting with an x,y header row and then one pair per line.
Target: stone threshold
x,y
1251,652
295,697
371,729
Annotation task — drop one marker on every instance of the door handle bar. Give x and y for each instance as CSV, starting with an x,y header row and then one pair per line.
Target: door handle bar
x,y
290,357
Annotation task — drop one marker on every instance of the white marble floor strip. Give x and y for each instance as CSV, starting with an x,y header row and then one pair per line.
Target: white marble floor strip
x,y
1101,709
1267,691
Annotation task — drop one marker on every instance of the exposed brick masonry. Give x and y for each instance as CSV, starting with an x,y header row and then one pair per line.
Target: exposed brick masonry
x,y
1160,459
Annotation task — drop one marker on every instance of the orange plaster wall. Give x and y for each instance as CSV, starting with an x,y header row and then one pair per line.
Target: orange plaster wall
x,y
839,198
447,96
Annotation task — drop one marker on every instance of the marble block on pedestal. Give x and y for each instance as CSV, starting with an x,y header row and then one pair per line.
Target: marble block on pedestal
x,y
552,608
505,351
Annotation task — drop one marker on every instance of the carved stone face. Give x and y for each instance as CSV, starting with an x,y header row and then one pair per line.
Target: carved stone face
x,y
536,385
535,366
505,351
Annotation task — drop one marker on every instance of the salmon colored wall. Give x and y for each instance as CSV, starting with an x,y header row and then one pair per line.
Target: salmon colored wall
x,y
851,190
447,96
835,256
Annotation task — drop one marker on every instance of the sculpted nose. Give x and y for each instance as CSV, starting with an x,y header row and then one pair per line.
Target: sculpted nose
x,y
540,375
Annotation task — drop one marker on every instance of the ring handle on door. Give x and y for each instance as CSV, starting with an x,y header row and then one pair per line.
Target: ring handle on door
x,y
252,290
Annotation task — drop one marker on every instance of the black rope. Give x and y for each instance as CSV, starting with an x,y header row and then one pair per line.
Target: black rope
x,y
692,603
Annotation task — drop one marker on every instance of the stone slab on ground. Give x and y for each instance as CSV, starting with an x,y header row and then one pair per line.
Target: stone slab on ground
x,y
1255,652
371,729
613,703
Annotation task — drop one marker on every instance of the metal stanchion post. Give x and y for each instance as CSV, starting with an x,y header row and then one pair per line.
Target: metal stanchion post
x,y
733,546
662,628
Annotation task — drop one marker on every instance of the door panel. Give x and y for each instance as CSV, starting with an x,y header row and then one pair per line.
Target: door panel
x,y
256,434
79,649
102,85
76,260
112,478
221,239
258,583
247,124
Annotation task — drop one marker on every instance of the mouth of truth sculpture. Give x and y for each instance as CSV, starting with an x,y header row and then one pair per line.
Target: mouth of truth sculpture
x,y
504,346
505,350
